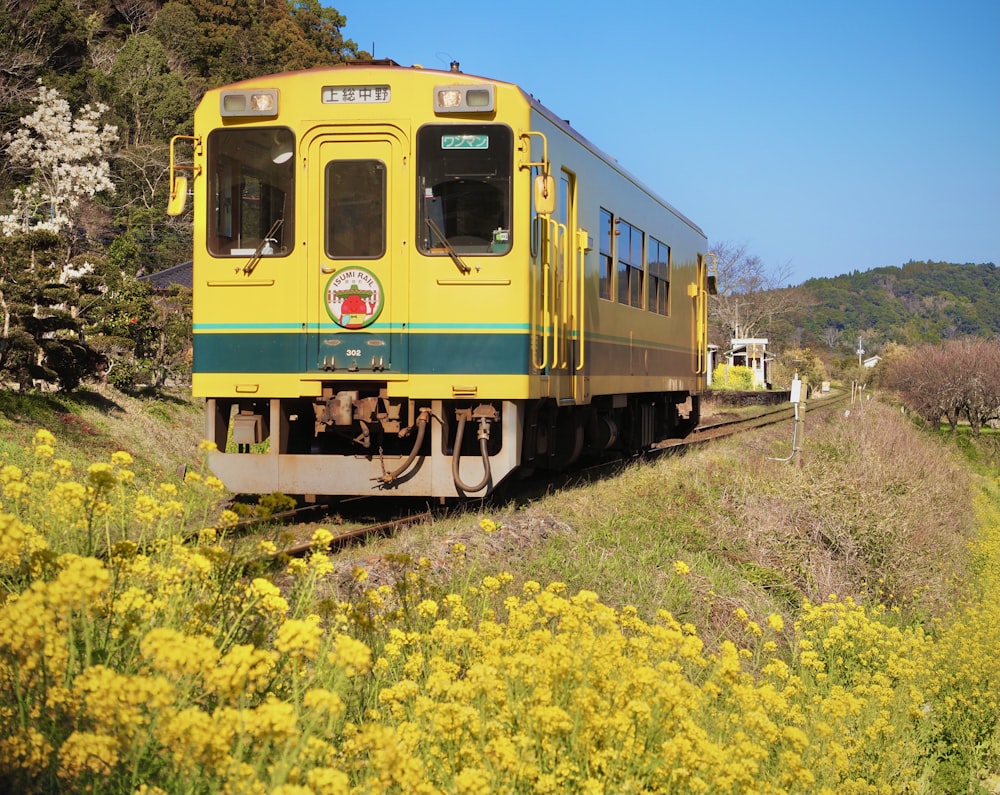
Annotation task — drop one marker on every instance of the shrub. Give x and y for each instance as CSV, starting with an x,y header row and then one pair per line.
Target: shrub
x,y
736,378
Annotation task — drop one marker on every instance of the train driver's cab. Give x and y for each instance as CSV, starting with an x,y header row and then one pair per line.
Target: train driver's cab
x,y
464,189
250,192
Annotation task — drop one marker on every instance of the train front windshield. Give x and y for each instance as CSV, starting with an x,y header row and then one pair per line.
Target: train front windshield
x,y
464,188
251,192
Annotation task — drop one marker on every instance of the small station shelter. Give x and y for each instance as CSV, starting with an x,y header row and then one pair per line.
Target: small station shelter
x,y
751,352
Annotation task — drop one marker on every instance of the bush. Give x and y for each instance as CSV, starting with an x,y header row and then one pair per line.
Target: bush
x,y
735,378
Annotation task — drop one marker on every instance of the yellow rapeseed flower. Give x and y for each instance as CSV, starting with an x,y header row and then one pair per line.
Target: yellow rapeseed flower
x,y
121,459
175,654
43,436
242,671
324,701
26,749
300,637
320,563
10,473
266,547
87,752
266,595
428,608
351,654
321,538
488,526
101,476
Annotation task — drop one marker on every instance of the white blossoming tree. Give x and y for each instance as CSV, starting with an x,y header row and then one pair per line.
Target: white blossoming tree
x,y
65,158
62,161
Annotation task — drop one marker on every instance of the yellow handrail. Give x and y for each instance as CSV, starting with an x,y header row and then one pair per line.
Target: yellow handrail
x,y
579,272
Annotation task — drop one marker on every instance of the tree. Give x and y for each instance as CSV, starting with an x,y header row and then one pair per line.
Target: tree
x,y
750,295
321,30
81,203
39,37
831,336
64,160
151,100
42,279
798,361
956,379
40,333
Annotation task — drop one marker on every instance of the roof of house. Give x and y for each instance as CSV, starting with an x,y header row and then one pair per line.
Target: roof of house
x,y
180,275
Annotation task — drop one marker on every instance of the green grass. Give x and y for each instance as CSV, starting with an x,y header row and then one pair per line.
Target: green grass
x,y
162,433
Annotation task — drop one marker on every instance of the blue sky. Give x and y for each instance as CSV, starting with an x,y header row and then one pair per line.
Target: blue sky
x,y
827,137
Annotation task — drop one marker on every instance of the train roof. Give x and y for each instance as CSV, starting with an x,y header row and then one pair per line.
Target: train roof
x,y
541,109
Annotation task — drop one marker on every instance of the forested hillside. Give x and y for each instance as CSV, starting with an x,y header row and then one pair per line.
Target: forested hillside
x,y
916,303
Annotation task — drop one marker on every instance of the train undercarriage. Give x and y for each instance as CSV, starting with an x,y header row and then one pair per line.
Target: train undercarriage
x,y
356,440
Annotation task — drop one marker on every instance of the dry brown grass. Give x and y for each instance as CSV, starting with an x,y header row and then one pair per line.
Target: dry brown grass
x,y
877,508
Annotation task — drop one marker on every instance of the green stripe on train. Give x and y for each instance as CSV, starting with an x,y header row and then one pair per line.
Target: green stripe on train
x,y
506,354
399,352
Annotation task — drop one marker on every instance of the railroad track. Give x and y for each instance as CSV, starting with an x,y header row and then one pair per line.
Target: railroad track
x,y
711,431
371,515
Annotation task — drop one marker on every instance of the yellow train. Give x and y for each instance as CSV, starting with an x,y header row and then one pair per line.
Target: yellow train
x,y
417,282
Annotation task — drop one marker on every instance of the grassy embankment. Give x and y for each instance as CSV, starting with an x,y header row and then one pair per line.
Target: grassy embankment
x,y
715,622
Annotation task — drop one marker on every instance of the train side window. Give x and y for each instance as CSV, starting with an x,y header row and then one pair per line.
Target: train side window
x,y
464,183
607,254
251,192
630,264
658,272
355,219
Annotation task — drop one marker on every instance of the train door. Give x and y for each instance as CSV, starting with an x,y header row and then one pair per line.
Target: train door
x,y
356,229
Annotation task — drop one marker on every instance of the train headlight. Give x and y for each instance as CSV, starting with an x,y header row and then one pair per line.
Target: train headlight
x,y
449,98
464,99
255,102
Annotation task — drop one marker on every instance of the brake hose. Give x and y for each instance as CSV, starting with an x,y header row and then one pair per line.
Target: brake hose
x,y
421,429
484,437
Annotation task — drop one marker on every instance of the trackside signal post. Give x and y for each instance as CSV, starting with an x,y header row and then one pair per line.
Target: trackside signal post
x,y
796,398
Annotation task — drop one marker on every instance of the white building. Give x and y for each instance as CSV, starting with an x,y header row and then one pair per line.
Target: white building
x,y
751,352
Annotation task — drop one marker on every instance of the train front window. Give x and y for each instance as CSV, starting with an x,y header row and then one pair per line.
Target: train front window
x,y
464,188
251,192
355,209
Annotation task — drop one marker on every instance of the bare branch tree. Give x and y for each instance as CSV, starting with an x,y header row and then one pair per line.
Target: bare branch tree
x,y
959,378
831,336
751,295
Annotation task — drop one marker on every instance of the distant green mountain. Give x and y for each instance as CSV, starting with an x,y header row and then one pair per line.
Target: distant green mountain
x,y
918,302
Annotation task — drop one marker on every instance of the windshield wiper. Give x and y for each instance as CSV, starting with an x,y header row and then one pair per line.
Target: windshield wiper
x,y
447,246
264,242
